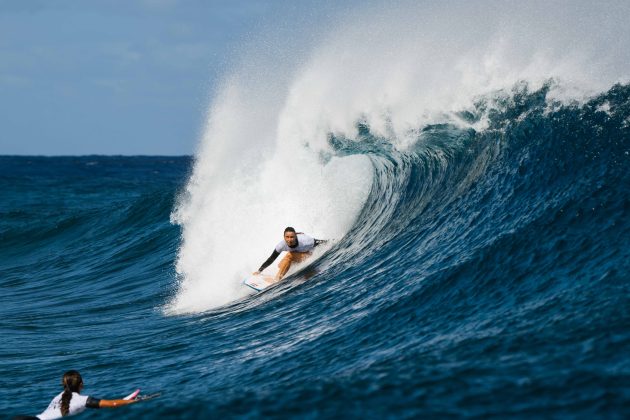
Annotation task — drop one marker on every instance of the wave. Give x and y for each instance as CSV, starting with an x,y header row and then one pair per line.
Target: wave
x,y
388,123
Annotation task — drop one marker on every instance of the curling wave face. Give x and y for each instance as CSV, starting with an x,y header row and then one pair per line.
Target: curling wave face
x,y
485,268
281,146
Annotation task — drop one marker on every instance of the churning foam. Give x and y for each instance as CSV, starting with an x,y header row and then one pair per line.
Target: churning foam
x,y
259,166
255,175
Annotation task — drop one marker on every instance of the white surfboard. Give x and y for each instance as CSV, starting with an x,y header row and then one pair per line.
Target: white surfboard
x,y
259,282
133,395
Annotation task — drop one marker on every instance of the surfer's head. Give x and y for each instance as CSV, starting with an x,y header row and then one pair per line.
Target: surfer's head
x,y
71,382
290,237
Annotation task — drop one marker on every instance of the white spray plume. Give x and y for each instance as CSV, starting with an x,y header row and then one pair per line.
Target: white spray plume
x,y
258,168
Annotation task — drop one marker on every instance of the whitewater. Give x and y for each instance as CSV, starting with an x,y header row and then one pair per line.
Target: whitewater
x,y
469,163
265,160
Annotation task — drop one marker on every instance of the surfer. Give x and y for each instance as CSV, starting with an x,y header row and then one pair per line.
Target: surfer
x,y
70,402
298,246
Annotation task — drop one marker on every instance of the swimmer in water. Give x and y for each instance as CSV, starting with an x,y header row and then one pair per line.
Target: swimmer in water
x,y
71,402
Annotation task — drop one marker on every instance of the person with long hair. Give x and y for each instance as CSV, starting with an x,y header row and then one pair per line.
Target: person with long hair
x,y
70,401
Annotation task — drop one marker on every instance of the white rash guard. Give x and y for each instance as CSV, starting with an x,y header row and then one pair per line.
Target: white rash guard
x,y
305,244
78,404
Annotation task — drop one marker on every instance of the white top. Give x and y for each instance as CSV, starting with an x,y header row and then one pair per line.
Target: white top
x,y
305,244
77,405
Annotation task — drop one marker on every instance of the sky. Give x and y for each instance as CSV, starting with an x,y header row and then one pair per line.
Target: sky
x,y
137,77
128,77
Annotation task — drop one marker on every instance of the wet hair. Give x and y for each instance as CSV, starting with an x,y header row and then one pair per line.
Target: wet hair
x,y
289,229
71,382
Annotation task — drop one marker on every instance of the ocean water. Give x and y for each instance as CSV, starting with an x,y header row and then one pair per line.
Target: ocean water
x,y
485,273
470,164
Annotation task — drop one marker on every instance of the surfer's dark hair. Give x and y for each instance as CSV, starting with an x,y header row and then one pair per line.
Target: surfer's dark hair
x,y
289,229
71,382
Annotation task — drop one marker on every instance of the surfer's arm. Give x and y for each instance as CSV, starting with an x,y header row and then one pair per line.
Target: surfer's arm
x,y
98,403
271,259
319,242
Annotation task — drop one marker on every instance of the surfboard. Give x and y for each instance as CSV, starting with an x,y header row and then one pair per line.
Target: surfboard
x,y
133,395
259,282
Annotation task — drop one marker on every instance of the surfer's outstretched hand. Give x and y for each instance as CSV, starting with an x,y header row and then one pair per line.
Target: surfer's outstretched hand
x,y
256,273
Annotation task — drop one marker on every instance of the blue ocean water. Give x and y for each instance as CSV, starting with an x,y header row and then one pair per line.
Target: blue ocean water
x,y
488,277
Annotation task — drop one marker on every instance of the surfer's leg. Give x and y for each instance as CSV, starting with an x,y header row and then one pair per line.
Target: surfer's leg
x,y
288,259
284,265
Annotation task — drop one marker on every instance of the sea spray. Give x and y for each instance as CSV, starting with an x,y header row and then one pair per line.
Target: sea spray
x,y
265,160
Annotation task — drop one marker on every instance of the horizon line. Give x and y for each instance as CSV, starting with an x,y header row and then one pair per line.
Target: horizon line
x,y
90,155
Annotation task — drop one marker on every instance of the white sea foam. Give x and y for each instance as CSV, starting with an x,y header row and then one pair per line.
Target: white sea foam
x,y
258,168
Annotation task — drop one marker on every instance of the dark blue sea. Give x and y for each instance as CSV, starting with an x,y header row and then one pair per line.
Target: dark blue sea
x,y
486,275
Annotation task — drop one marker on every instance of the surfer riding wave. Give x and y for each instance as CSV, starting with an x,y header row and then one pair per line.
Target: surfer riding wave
x,y
298,247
